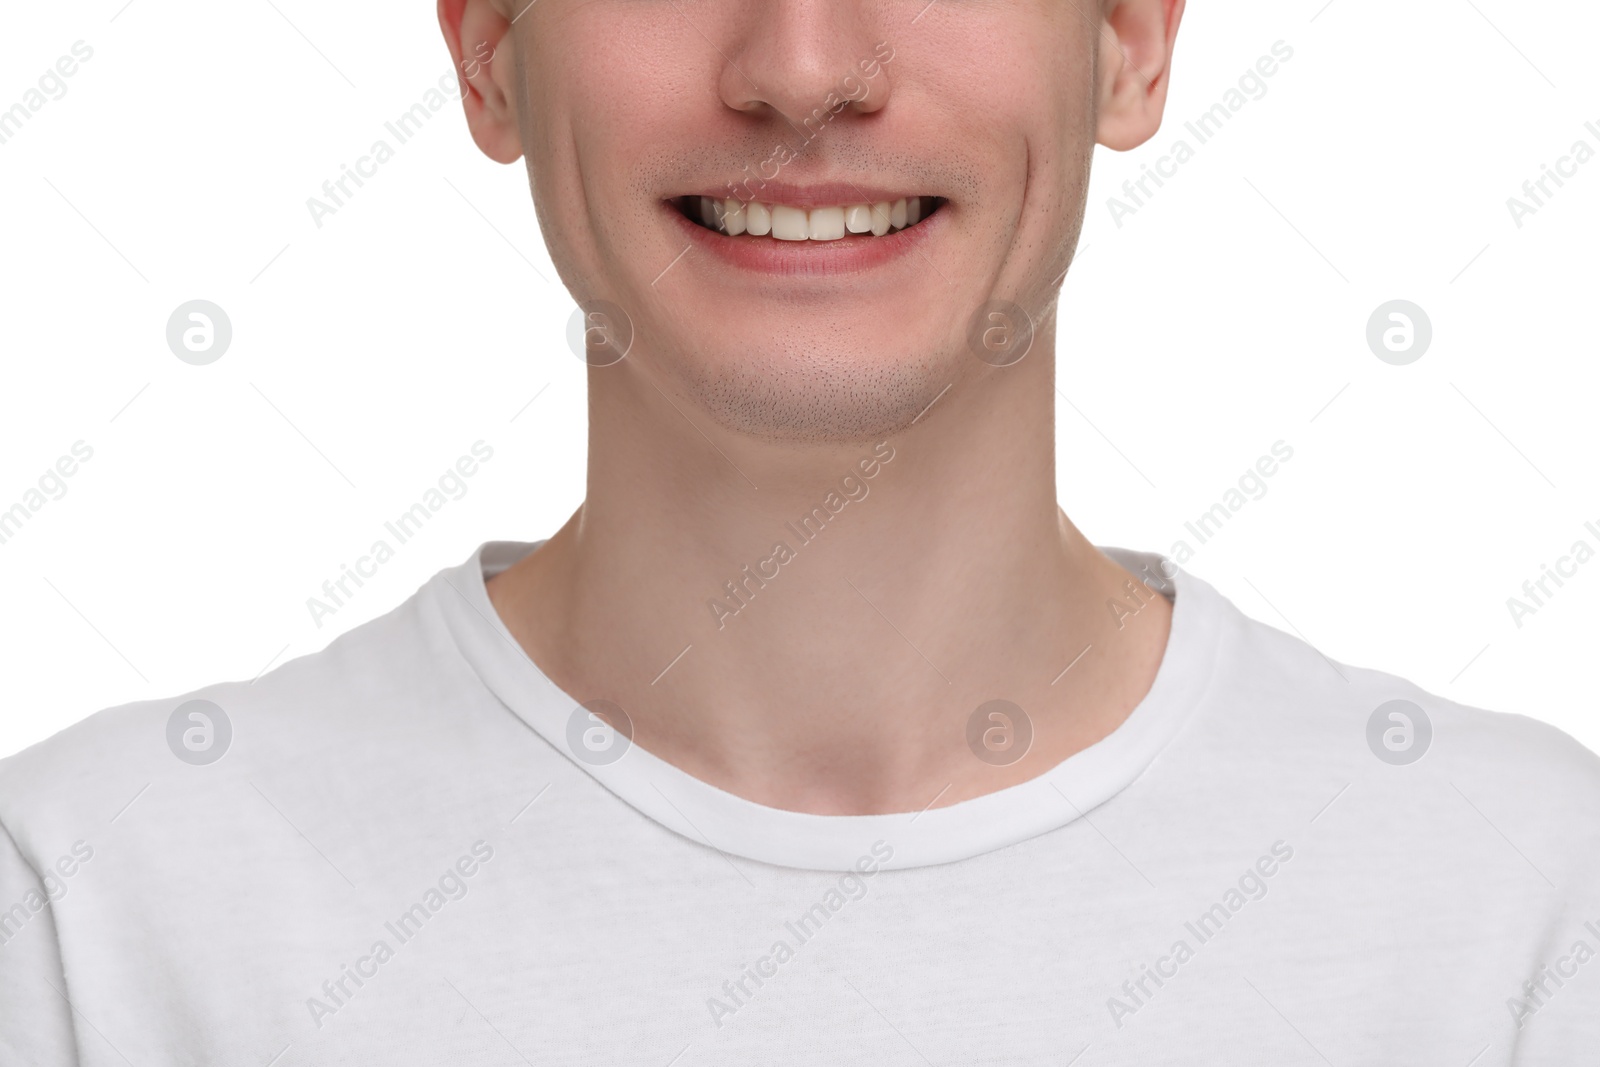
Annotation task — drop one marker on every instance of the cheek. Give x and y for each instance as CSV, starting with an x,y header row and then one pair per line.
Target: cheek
x,y
610,89
1023,88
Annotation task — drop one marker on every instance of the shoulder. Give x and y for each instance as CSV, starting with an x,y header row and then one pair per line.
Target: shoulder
x,y
1290,664
312,713
1390,783
1281,689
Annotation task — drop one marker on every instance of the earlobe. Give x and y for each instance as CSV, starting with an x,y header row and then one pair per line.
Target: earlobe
x,y
479,38
1136,42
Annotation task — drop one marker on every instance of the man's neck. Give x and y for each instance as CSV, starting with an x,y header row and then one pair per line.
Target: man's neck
x,y
814,628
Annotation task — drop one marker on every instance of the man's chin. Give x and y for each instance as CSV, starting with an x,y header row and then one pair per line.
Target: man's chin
x,y
845,397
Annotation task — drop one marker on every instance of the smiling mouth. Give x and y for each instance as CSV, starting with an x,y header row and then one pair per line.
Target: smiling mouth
x,y
736,218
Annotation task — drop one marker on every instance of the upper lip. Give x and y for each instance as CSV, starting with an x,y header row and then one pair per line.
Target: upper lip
x,y
820,194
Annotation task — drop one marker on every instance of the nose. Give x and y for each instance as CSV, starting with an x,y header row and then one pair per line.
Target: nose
x,y
804,59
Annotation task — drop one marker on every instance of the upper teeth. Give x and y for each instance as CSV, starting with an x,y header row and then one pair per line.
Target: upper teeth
x,y
734,217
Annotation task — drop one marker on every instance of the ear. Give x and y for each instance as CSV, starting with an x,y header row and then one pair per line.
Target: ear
x,y
480,42
1136,39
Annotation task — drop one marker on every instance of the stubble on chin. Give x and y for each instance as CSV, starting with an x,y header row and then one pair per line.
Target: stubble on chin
x,y
841,396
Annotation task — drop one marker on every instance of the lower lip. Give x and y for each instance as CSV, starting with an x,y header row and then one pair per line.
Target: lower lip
x,y
851,254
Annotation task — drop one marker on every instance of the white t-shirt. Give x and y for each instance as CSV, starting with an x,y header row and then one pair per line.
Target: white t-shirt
x,y
414,849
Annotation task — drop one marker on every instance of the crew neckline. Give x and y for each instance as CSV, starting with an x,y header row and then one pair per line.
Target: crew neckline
x,y
732,825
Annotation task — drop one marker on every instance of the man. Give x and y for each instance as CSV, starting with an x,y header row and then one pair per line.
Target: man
x,y
819,734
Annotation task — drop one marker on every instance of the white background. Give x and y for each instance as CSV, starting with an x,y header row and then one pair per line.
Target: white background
x,y
371,353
